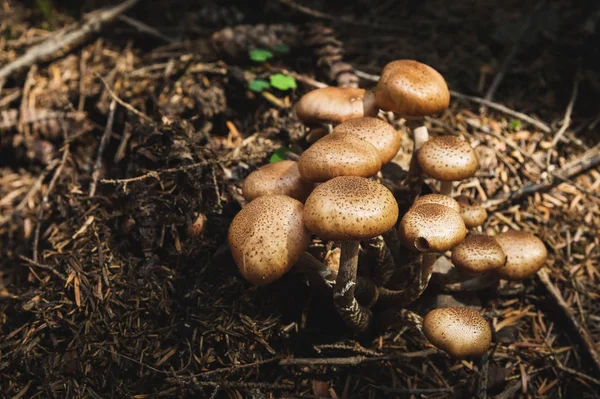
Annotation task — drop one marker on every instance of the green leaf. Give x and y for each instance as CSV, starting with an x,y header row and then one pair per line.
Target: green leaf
x,y
260,55
258,85
279,154
282,82
514,125
282,48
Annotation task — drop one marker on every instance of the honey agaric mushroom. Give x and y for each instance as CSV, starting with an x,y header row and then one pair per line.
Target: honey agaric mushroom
x,y
412,90
448,159
526,254
278,178
349,209
439,199
471,210
267,237
339,154
460,332
430,229
478,254
377,132
334,105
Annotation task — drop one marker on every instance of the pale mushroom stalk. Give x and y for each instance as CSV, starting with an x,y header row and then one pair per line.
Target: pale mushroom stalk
x,y
414,176
311,265
343,291
446,187
384,262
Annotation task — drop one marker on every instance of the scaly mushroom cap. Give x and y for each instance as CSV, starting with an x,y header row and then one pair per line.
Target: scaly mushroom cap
x,y
471,211
267,237
339,154
448,158
411,89
478,253
460,332
334,105
278,178
378,133
432,228
350,208
440,199
526,254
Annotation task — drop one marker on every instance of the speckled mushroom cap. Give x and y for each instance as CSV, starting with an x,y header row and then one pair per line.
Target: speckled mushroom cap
x,y
335,105
432,228
350,208
526,254
448,158
478,253
460,332
379,133
471,211
339,154
411,89
267,237
440,199
278,178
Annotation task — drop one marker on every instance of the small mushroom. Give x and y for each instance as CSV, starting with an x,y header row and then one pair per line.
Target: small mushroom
x,y
267,237
334,105
471,210
448,159
278,178
525,252
377,132
478,254
349,209
439,199
339,154
430,228
460,332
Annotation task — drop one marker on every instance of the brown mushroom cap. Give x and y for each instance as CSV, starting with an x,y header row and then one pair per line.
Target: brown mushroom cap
x,y
432,228
478,253
334,105
339,154
379,133
471,211
448,158
278,178
411,89
350,208
526,254
460,332
440,199
267,237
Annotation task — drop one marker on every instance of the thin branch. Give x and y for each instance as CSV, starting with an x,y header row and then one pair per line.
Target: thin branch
x,y
355,360
566,122
125,105
586,338
65,39
103,143
31,262
142,27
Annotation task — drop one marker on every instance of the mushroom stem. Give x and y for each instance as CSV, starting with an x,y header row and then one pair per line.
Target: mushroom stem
x,y
482,380
414,176
384,260
477,283
358,317
312,265
446,188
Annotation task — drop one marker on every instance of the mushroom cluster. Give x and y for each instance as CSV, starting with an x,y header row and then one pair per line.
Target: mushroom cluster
x,y
332,192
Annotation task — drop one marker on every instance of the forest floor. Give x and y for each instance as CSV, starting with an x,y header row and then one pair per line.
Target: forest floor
x,y
111,146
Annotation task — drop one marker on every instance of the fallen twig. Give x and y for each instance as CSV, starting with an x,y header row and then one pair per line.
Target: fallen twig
x,y
354,360
587,340
65,39
103,143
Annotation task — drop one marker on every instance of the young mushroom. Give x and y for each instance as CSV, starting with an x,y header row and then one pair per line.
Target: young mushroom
x,y
349,209
460,332
526,254
377,132
429,228
334,105
267,237
339,154
439,199
448,159
278,178
471,210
